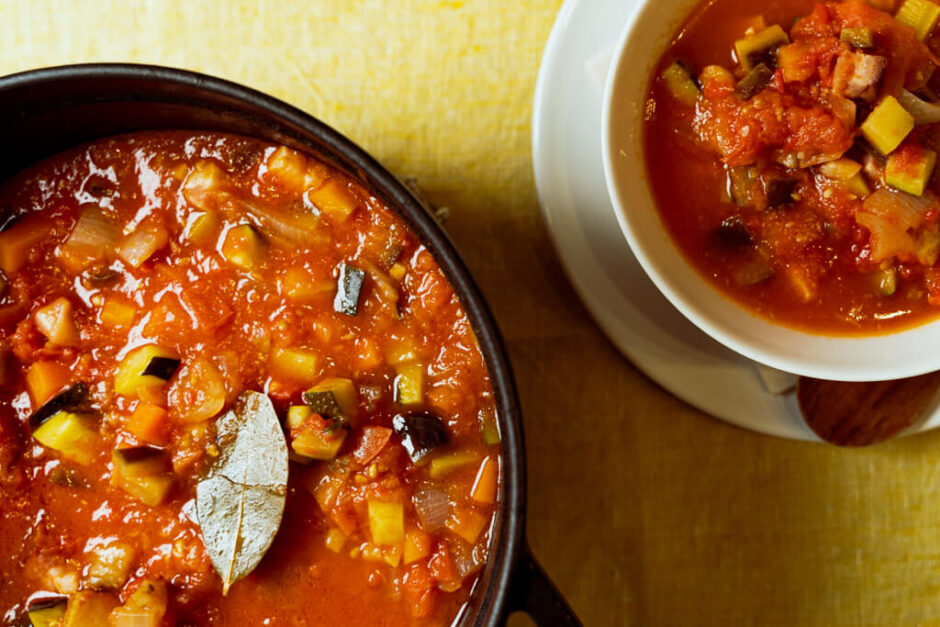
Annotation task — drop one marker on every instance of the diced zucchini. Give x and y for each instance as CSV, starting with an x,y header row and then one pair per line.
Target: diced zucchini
x,y
146,366
318,442
348,289
467,523
334,199
73,435
409,384
201,228
759,47
445,464
921,15
297,415
47,611
334,398
73,398
489,428
679,82
89,609
860,37
55,321
144,472
386,522
884,281
243,247
887,126
146,607
294,364
858,185
754,81
910,169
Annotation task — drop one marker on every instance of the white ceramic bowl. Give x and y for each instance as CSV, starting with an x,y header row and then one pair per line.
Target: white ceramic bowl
x,y
860,358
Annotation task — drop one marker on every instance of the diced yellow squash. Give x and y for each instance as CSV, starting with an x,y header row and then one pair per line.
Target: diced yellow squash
x,y
887,125
146,607
18,241
243,247
300,287
858,185
386,522
50,615
117,311
44,379
321,444
921,15
417,545
297,415
89,609
344,392
679,82
752,48
409,384
205,185
73,435
201,228
910,169
489,428
467,523
57,323
445,464
334,199
129,376
149,481
297,365
335,540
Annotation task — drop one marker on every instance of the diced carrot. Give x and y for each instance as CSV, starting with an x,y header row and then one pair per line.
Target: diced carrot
x,y
417,545
467,523
334,199
441,565
55,321
18,241
484,486
148,422
371,442
418,589
44,379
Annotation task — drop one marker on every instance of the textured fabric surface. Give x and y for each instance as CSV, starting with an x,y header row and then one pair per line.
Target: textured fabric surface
x,y
644,510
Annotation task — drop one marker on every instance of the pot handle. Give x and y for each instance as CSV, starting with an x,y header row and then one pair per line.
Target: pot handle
x,y
534,594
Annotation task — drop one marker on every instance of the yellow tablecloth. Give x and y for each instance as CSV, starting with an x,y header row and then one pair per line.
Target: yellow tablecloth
x,y
644,510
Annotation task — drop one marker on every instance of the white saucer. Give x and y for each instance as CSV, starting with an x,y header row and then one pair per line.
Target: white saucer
x,y
569,176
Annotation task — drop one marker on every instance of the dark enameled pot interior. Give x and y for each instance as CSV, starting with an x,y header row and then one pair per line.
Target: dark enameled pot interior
x,y
43,112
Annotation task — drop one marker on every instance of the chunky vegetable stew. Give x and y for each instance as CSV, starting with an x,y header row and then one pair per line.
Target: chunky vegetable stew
x,y
234,389
791,147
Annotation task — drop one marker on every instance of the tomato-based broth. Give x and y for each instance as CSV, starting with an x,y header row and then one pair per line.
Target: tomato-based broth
x,y
791,150
165,294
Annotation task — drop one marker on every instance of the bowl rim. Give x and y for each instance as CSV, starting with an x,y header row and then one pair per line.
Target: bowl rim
x,y
508,547
697,312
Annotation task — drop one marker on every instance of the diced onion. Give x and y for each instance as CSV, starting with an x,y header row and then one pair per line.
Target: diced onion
x,y
432,507
890,217
93,237
922,112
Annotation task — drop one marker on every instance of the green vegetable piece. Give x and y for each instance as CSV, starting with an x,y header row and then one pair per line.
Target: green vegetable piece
x,y
72,435
755,80
860,37
680,84
887,126
921,15
885,282
489,428
47,611
909,174
759,47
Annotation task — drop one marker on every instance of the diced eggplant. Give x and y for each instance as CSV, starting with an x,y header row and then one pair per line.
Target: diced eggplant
x,y
779,190
73,398
47,610
161,367
754,81
732,233
144,472
420,434
348,289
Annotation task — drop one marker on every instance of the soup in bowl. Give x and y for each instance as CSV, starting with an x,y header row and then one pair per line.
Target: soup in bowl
x,y
772,168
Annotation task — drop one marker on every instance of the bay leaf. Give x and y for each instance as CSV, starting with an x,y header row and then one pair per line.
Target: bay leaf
x,y
240,498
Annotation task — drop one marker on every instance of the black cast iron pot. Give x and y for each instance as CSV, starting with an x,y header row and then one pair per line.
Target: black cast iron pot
x,y
43,112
